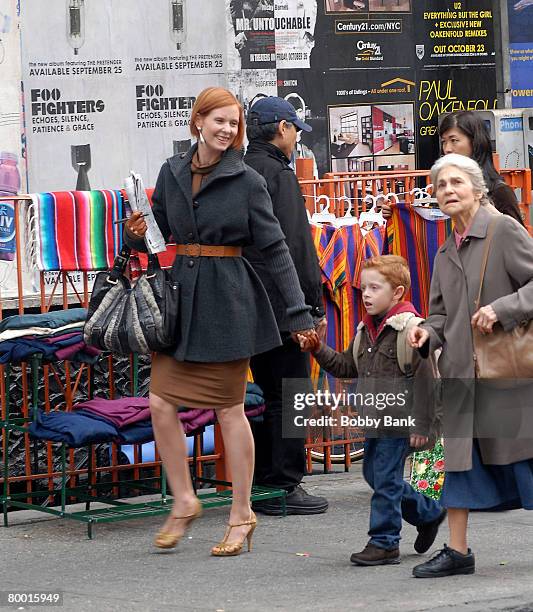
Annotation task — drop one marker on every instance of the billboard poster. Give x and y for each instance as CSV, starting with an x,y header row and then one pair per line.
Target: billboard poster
x,y
159,110
99,106
264,35
361,120
371,121
450,37
520,13
445,91
369,35
305,90
112,91
12,145
10,124
250,34
250,85
295,22
454,32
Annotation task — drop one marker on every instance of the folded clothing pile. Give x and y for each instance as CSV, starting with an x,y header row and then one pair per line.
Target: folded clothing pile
x,y
125,420
55,335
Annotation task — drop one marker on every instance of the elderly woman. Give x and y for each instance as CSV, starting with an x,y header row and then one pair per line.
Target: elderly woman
x,y
486,468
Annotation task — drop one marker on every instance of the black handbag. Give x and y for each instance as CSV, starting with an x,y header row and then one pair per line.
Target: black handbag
x,y
139,318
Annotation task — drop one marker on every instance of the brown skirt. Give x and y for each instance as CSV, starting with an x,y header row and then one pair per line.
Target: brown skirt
x,y
199,385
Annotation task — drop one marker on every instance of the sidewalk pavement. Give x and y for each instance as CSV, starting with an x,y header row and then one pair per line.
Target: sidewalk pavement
x,y
298,563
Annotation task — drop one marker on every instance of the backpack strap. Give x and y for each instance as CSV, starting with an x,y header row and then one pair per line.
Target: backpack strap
x,y
357,344
404,351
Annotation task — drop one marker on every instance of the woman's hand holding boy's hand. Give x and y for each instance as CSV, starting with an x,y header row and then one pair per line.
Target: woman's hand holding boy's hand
x,y
309,341
136,225
417,337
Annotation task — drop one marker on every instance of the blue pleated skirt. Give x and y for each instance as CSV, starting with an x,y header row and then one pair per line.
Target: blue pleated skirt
x,y
489,487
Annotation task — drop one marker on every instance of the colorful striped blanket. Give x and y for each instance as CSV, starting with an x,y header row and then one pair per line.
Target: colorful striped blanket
x,y
417,240
341,252
74,230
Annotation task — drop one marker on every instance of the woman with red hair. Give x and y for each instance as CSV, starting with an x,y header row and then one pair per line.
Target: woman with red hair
x,y
213,205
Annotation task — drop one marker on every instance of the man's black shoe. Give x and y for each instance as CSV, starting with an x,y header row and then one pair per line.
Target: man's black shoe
x,y
373,555
298,501
428,532
447,562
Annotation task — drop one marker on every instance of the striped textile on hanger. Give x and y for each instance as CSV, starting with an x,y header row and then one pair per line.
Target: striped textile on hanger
x,y
417,240
74,230
321,235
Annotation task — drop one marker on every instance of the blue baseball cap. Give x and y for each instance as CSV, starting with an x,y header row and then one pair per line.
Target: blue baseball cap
x,y
272,109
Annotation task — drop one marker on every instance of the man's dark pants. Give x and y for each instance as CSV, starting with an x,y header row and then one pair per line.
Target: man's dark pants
x,y
279,462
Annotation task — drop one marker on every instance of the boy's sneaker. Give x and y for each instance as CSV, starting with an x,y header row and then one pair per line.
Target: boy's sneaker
x,y
373,555
428,532
447,562
298,501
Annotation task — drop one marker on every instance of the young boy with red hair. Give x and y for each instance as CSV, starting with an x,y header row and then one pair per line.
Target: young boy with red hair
x,y
380,351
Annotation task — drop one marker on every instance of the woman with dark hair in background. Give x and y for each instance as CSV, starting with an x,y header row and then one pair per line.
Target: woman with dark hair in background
x,y
465,133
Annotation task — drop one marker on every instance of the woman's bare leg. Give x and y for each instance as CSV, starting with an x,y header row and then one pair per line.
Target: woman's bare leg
x,y
171,444
457,523
239,450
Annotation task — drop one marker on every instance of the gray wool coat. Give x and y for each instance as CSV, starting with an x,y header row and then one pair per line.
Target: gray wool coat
x,y
225,313
508,288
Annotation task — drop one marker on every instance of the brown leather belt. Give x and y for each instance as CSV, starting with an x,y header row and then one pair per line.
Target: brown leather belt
x,y
207,250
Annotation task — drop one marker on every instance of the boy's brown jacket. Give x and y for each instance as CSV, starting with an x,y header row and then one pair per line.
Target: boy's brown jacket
x,y
379,371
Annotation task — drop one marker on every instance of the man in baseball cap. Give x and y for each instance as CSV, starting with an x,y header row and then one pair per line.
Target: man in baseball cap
x,y
272,110
272,129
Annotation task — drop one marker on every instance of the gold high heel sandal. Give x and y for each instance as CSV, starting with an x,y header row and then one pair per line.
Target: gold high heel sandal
x,y
168,540
235,548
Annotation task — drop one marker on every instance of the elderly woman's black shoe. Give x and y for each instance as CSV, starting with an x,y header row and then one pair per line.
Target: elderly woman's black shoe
x,y
447,562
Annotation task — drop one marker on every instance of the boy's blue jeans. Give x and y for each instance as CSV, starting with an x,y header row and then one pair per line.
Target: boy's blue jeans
x,y
393,497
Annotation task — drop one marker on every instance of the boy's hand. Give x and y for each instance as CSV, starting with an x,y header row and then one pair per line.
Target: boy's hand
x,y
417,441
302,332
417,337
309,342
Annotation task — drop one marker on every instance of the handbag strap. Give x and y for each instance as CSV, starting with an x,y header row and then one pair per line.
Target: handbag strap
x,y
153,265
490,235
119,264
121,261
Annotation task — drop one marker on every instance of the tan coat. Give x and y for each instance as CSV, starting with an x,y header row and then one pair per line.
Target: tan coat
x,y
508,288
